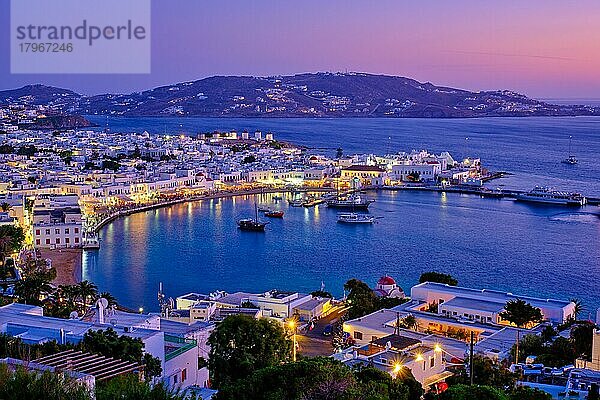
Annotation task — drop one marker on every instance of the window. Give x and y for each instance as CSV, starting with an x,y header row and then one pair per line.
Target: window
x,y
37,232
432,362
175,378
66,231
38,242
373,338
67,240
358,335
184,375
57,231
47,231
76,240
57,240
47,241
76,230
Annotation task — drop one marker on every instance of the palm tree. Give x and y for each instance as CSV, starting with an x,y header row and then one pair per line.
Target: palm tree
x,y
520,314
32,288
578,309
87,291
5,207
410,322
112,300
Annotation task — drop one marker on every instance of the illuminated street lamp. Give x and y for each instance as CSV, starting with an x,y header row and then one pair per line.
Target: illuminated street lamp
x,y
292,326
397,368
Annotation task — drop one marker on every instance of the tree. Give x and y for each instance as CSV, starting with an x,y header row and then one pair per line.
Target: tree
x,y
322,294
249,159
361,298
578,309
28,151
485,372
241,345
409,322
111,165
129,387
11,240
527,393
438,277
582,336
87,291
520,314
112,300
6,149
5,207
464,392
31,289
24,384
321,378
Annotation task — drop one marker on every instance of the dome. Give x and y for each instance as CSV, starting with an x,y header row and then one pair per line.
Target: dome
x,y
386,280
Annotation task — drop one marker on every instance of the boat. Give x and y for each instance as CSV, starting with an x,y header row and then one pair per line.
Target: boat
x,y
297,200
351,202
354,218
296,203
274,214
570,160
264,209
252,224
354,202
548,196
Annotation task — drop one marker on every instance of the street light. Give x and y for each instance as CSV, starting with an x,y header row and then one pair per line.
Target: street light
x,y
292,326
397,368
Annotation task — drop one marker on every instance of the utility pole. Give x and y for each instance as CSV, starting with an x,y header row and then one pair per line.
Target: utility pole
x,y
471,356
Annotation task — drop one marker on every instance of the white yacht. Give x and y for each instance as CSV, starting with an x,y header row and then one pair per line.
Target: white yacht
x,y
354,218
544,195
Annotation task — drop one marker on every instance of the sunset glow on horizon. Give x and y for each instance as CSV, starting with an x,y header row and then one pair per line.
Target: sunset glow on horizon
x,y
544,49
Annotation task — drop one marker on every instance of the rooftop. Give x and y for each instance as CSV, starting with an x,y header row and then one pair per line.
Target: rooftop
x,y
492,295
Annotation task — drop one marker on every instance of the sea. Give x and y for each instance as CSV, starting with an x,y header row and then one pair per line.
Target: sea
x,y
526,249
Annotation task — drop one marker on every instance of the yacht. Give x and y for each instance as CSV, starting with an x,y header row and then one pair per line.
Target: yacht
x,y
252,224
354,218
570,160
352,202
544,195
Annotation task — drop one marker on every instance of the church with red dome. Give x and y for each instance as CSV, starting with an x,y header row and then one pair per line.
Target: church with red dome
x,y
387,287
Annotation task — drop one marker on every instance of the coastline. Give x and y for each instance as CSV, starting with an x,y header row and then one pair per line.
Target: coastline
x,y
217,195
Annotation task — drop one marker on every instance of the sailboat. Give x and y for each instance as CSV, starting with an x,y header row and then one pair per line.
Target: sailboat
x,y
571,160
252,224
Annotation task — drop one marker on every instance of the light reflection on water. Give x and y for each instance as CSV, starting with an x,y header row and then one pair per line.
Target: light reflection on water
x,y
535,250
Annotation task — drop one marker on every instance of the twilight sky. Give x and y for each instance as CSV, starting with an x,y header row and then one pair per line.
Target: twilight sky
x,y
543,48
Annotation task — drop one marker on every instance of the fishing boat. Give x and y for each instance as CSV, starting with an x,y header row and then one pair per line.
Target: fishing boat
x,y
252,224
548,196
274,214
570,160
354,218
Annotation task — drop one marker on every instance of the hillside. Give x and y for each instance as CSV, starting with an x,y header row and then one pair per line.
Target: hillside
x,y
303,95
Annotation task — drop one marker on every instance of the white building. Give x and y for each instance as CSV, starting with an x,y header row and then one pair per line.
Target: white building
x,y
176,345
484,305
393,353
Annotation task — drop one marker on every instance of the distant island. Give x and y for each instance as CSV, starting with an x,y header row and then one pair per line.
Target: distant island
x,y
311,95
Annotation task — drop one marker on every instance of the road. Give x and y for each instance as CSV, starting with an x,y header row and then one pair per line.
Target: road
x,y
314,343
